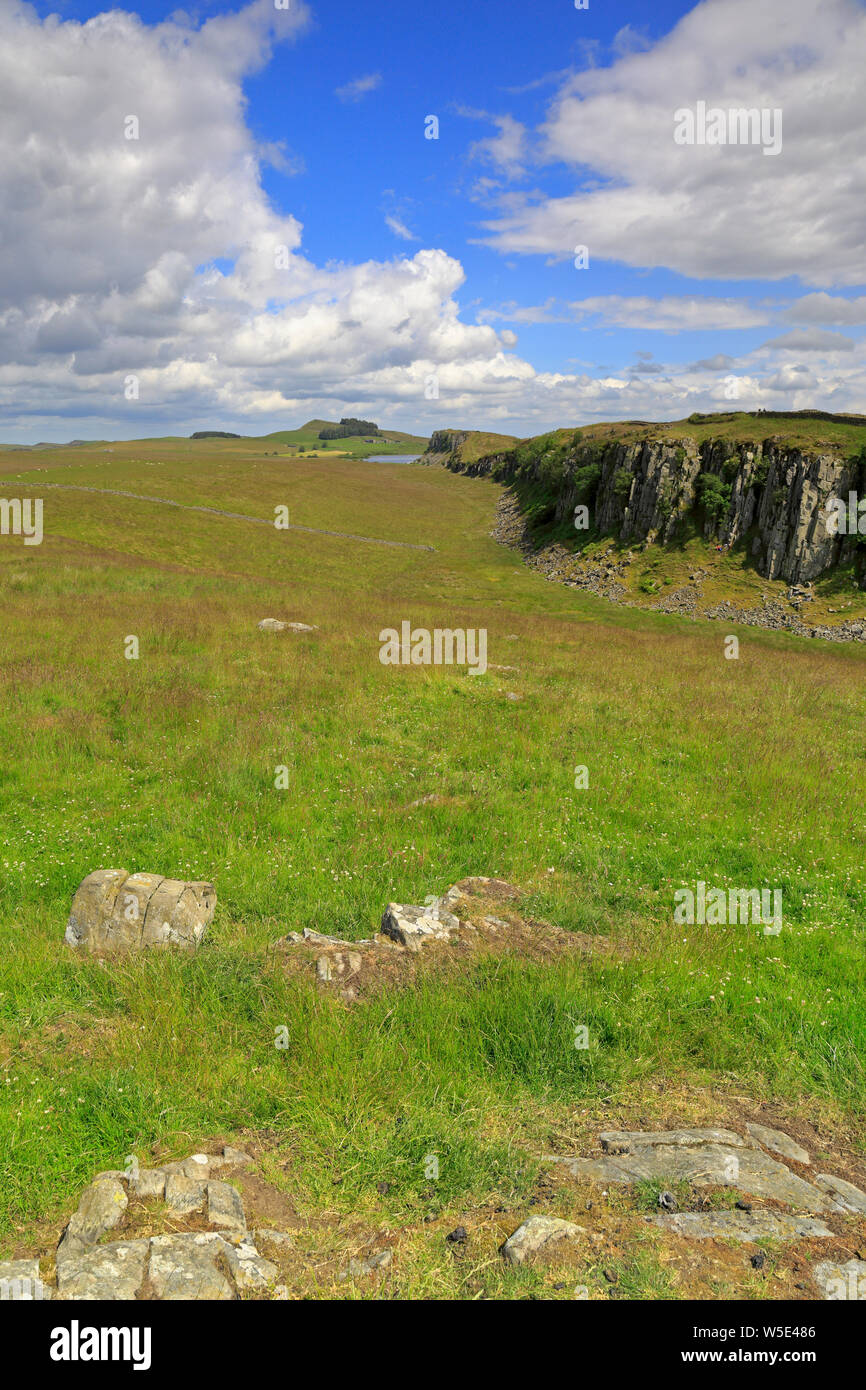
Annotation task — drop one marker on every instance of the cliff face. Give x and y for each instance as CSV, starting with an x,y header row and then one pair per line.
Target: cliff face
x,y
770,495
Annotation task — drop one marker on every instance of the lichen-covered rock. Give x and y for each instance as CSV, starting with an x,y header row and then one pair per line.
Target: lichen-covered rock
x,y
224,1207
115,1271
742,1225
101,1207
188,1267
251,1271
117,911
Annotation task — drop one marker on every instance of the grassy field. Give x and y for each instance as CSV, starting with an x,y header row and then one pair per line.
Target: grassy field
x,y
740,773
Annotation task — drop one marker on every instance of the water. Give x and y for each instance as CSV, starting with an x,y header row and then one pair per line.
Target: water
x,y
393,458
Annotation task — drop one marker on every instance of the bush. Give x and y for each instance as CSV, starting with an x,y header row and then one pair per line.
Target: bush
x,y
714,495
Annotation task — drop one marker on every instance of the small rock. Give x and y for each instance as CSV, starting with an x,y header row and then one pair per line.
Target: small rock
x,y
235,1155
196,1167
275,625
458,1236
101,1207
537,1235
358,1268
149,1183
412,926
116,911
757,1261
668,1201
184,1195
224,1206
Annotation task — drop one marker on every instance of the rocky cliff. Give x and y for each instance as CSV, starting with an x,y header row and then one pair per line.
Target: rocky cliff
x,y
766,494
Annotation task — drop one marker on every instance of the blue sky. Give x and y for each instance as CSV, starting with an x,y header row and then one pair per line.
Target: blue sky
x,y
712,273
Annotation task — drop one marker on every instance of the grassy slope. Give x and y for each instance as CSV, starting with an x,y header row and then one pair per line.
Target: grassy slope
x,y
742,773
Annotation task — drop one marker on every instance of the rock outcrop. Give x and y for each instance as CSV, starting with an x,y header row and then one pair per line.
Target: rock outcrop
x,y
117,911
190,1265
771,495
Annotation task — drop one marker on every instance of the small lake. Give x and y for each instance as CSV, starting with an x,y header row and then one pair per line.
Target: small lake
x,y
393,458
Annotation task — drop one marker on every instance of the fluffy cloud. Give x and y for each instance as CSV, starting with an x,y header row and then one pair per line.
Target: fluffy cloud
x,y
725,211
161,257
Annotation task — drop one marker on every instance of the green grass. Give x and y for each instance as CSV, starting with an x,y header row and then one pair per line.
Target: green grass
x,y
742,773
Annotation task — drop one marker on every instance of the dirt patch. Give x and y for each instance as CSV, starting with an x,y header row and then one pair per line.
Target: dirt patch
x,y
488,924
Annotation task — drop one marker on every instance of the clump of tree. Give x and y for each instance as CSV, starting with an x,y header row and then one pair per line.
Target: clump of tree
x,y
214,434
714,495
349,427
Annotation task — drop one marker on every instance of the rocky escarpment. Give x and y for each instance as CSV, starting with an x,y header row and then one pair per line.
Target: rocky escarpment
x,y
769,495
444,446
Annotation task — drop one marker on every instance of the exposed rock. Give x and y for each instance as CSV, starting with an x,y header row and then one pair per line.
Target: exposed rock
x,y
412,926
101,1207
646,487
617,1141
184,1195
586,572
844,1194
357,1269
197,1166
250,1270
117,911
235,1156
741,1225
150,1182
275,625
540,1235
778,1143
224,1206
188,1267
841,1282
690,1155
114,1271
